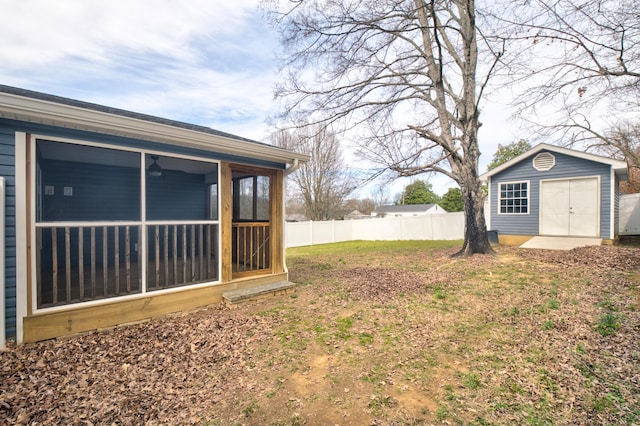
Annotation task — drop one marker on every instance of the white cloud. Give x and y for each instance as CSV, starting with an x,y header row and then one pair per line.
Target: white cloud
x,y
207,62
41,32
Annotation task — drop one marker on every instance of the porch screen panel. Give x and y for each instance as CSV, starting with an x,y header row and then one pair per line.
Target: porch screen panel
x,y
262,198
84,183
251,232
182,233
90,227
88,223
83,263
251,198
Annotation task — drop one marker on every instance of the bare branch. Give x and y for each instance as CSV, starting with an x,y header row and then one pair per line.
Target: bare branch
x,y
401,75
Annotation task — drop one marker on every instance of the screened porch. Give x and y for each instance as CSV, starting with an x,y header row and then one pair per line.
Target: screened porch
x,y
112,223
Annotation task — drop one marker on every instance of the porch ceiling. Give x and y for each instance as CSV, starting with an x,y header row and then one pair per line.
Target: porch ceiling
x,y
114,157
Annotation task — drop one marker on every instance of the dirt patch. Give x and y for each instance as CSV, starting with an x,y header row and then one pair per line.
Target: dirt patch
x,y
394,337
381,284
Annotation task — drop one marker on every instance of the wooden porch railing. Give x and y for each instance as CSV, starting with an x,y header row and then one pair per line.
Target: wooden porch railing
x,y
251,247
90,262
80,263
181,254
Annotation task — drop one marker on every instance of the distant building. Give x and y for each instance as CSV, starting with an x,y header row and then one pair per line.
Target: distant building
x,y
355,214
407,210
296,217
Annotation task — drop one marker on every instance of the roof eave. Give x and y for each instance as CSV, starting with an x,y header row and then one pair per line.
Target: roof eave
x,y
620,167
51,113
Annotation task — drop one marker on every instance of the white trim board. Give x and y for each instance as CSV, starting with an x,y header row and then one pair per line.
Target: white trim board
x,y
617,165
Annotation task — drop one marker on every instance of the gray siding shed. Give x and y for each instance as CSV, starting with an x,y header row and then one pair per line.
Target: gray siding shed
x,y
567,166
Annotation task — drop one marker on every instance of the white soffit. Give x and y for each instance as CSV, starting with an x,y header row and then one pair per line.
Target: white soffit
x,y
68,116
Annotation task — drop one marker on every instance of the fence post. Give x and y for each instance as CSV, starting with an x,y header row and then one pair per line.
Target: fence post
x,y
430,226
333,230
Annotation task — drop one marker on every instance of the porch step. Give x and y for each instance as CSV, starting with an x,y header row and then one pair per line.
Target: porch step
x,y
244,295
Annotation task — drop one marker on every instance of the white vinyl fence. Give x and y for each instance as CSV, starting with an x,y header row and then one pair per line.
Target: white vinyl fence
x,y
446,226
629,214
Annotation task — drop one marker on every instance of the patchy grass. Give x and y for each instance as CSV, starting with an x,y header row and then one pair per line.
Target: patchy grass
x,y
385,333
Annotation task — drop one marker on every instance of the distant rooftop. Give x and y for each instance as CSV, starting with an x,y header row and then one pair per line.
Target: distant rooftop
x,y
405,208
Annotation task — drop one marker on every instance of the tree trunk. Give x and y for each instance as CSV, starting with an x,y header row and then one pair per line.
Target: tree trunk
x,y
476,239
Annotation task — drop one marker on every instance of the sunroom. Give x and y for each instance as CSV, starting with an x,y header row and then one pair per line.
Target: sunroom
x,y
113,223
115,217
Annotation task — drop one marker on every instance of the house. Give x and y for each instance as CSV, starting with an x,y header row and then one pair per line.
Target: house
x,y
296,217
113,217
407,210
554,191
355,215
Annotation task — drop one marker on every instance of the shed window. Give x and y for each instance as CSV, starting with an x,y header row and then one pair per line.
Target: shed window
x,y
514,198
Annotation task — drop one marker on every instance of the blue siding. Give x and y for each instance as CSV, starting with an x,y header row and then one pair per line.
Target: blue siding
x,y
566,167
192,202
176,196
99,192
616,206
7,170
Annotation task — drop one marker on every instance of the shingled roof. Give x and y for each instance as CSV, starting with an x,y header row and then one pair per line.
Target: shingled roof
x,y
42,108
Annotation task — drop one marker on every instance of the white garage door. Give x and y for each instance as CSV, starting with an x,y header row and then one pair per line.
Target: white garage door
x,y
570,207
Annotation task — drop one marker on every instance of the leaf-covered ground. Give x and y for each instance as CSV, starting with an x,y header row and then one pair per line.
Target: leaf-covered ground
x,y
395,333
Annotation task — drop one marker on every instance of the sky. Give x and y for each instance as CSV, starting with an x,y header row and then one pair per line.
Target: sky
x,y
205,62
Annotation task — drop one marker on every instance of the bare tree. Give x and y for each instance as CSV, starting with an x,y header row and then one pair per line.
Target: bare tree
x,y
623,142
626,139
380,195
323,183
580,67
364,205
406,75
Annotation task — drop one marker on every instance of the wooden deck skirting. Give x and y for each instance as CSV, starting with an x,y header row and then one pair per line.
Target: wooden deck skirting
x,y
43,326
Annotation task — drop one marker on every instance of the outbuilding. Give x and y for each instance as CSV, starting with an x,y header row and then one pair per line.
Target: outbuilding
x,y
111,216
554,191
404,210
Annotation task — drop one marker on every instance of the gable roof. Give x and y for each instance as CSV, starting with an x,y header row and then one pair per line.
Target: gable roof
x,y
404,208
620,167
36,107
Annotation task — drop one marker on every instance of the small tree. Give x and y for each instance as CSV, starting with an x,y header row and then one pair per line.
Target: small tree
x,y
505,153
419,192
363,205
623,142
323,183
452,200
380,196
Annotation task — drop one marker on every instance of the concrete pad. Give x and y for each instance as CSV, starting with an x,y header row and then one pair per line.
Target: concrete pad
x,y
560,243
234,297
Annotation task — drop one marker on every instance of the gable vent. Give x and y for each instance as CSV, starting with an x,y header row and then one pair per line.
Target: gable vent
x,y
544,161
